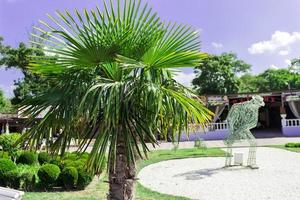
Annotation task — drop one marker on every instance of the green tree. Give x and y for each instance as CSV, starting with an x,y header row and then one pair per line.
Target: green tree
x,y
249,83
217,74
270,80
276,80
5,105
19,58
114,71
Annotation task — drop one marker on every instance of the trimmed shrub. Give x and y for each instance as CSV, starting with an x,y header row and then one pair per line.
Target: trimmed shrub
x,y
4,154
56,161
48,175
84,179
28,180
43,157
13,179
27,158
7,142
78,164
292,145
70,156
69,176
6,165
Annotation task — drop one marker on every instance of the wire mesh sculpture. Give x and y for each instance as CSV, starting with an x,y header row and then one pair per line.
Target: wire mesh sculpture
x,y
241,118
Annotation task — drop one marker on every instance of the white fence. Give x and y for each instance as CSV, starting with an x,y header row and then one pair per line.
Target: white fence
x,y
217,126
291,123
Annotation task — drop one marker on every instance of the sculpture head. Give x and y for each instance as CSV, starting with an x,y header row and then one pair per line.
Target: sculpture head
x,y
258,100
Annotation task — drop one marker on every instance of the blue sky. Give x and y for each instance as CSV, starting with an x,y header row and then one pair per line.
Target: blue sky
x,y
264,33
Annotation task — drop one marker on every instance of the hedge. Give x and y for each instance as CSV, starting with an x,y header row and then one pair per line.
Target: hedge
x,y
48,175
292,145
84,179
43,157
27,158
6,165
69,177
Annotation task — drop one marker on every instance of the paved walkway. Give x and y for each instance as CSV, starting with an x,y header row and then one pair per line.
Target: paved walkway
x,y
216,143
205,179
219,143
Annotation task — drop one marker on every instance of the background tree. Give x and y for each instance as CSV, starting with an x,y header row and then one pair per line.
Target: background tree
x,y
217,74
5,105
249,83
31,84
270,80
114,70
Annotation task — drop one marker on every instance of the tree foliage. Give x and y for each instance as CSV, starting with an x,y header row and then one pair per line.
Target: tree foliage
x,y
5,105
19,58
113,70
271,80
217,74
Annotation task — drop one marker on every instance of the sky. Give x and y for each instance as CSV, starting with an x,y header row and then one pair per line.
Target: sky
x,y
263,33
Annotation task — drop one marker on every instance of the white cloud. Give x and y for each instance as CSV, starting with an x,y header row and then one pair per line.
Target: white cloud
x,y
217,45
280,41
287,62
283,52
184,78
273,67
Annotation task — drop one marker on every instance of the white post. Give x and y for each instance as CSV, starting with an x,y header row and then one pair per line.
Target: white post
x,y
283,120
7,128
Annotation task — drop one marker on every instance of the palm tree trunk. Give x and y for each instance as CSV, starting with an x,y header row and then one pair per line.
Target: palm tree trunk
x,y
122,177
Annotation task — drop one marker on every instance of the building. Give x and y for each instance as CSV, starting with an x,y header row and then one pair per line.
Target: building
x,y
279,117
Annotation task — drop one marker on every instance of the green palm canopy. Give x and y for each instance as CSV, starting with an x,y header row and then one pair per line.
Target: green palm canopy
x,y
113,70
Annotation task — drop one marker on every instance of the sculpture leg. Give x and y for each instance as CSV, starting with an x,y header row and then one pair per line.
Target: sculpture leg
x,y
228,156
252,152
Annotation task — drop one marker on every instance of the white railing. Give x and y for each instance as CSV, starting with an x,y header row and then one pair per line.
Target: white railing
x,y
217,126
209,127
291,122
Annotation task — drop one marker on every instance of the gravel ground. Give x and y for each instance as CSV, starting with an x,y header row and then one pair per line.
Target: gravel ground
x,y
278,177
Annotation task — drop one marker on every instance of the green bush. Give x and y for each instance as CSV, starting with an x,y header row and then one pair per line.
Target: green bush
x,y
78,164
48,175
43,157
28,180
27,158
4,154
7,142
69,177
292,145
13,179
6,165
84,179
70,156
56,160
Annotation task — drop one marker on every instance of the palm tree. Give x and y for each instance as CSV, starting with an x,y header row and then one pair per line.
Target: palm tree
x,y
113,72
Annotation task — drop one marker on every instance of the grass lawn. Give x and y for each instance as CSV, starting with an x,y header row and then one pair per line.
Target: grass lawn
x,y
98,188
287,148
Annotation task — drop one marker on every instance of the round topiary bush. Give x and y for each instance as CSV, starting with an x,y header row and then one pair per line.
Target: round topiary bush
x,y
84,179
78,164
56,161
48,174
27,158
13,179
6,165
43,157
69,176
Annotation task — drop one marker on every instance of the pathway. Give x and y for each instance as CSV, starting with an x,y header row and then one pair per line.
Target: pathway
x,y
205,179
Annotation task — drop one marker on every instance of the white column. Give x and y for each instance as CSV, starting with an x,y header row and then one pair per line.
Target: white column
x,y
283,120
7,128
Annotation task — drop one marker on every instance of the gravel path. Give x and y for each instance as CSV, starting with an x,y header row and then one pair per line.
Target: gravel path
x,y
278,177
